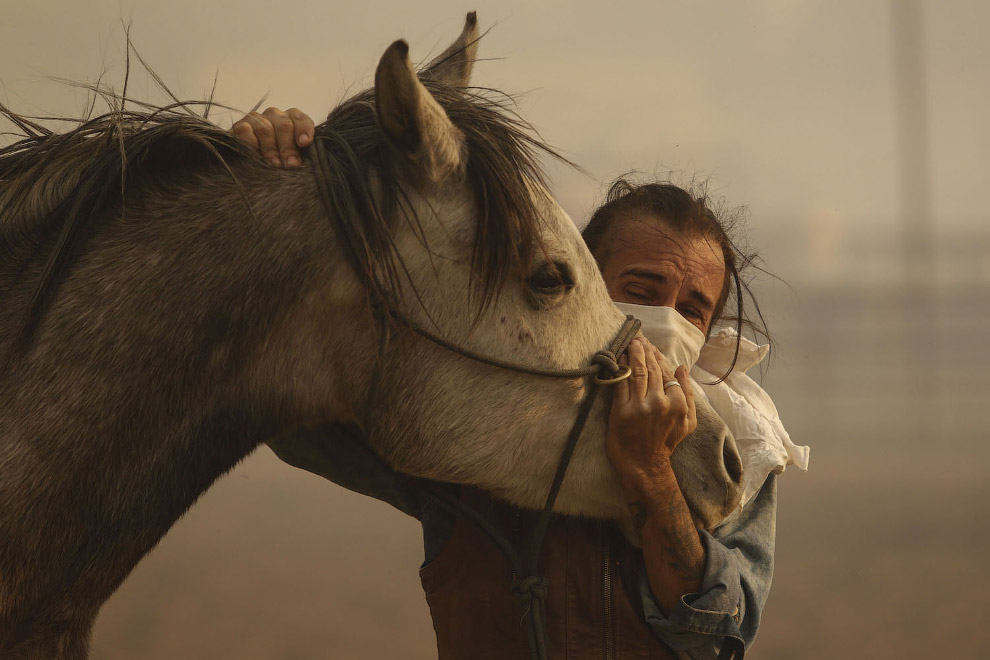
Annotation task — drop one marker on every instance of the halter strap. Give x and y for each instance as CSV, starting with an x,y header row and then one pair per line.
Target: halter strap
x,y
603,366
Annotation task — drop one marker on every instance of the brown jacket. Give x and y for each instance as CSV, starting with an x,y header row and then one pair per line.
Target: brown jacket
x,y
594,609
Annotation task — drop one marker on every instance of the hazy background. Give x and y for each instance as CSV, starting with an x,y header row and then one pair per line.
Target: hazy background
x,y
856,134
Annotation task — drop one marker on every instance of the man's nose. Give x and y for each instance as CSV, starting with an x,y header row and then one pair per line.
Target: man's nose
x,y
666,297
668,293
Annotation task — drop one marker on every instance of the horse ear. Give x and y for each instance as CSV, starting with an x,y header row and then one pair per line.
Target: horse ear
x,y
453,66
412,120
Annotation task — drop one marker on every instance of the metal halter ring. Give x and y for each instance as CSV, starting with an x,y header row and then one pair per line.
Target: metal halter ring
x,y
624,372
670,383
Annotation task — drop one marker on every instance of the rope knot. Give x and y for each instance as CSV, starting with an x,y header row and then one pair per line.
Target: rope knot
x,y
530,588
608,366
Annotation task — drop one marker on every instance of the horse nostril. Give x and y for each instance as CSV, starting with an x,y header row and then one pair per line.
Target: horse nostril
x,y
731,460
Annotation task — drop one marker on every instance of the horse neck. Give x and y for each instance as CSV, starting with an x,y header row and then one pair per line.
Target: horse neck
x,y
186,284
163,360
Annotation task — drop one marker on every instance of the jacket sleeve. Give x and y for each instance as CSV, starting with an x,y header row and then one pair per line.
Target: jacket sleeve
x,y
722,619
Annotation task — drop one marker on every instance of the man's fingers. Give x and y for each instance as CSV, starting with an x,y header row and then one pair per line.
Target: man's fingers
x,y
285,138
692,415
653,369
277,135
640,378
666,370
303,126
257,131
264,136
243,130
620,391
677,399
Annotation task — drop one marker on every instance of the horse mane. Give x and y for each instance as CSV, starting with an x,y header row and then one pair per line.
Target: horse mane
x,y
43,169
503,164
54,185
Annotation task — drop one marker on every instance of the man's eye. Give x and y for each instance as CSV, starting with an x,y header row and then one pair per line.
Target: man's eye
x,y
638,294
695,317
692,314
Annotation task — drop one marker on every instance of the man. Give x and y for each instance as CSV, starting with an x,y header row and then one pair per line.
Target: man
x,y
687,591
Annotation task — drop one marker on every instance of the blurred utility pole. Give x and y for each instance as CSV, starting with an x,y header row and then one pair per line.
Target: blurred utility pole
x,y
918,269
913,141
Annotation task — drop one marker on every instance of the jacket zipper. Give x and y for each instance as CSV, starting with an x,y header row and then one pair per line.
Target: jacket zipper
x,y
607,593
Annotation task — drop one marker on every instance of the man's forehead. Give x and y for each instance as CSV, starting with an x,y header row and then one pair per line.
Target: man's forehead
x,y
648,239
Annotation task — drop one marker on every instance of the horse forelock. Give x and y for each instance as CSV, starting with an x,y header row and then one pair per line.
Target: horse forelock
x,y
502,171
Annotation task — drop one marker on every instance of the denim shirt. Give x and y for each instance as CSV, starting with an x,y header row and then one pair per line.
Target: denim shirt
x,y
734,587
739,554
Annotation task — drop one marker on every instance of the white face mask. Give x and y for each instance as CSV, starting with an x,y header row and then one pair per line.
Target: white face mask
x,y
677,338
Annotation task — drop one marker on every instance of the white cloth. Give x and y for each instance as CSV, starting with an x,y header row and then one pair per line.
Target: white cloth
x,y
678,339
764,445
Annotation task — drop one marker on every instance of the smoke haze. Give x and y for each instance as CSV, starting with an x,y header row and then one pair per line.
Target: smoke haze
x,y
795,110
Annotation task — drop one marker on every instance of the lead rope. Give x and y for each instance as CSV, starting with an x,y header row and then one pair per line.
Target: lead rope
x,y
529,587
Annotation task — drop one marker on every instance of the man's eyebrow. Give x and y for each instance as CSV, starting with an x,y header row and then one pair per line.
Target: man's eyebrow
x,y
646,275
695,294
701,298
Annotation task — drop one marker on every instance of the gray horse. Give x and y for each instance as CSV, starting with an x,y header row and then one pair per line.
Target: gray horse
x,y
168,301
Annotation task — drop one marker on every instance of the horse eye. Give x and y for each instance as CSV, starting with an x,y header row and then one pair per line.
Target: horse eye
x,y
552,278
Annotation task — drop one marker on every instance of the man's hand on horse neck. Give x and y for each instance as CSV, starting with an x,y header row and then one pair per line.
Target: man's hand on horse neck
x,y
645,426
277,135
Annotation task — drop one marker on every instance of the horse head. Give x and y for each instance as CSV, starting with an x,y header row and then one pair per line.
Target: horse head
x,y
482,255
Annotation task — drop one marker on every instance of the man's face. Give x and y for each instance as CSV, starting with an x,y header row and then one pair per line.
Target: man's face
x,y
647,263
